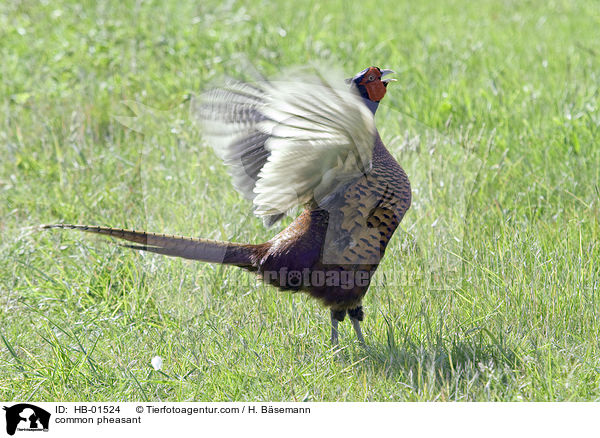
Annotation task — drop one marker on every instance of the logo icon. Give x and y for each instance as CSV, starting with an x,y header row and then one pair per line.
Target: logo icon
x,y
26,417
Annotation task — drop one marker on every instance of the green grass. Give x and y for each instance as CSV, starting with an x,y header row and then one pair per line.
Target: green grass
x,y
489,291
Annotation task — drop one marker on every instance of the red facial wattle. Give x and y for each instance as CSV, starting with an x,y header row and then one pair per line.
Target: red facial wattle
x,y
372,82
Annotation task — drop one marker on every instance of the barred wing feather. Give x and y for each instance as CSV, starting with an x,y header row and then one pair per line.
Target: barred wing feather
x,y
288,143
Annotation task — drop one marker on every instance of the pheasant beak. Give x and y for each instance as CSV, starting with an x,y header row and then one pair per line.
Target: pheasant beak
x,y
387,72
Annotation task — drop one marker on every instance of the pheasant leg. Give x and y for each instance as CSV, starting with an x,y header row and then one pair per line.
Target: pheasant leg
x,y
334,330
359,335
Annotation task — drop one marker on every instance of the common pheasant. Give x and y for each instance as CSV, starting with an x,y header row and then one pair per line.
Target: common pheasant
x,y
310,142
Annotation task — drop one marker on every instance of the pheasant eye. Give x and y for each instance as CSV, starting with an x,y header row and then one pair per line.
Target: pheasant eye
x,y
371,77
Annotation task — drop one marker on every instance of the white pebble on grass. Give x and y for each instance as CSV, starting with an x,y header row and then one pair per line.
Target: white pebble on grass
x,y
157,363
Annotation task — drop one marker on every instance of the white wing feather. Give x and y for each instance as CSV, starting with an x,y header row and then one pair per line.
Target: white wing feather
x,y
317,135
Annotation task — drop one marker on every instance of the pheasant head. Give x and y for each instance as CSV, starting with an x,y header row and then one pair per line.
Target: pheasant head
x,y
371,86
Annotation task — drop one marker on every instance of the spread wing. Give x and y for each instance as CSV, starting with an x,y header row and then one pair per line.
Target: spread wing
x,y
288,143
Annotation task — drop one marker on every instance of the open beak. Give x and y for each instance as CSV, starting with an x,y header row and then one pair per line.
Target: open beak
x,y
387,72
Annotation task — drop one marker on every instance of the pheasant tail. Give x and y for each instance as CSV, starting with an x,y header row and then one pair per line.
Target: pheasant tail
x,y
177,246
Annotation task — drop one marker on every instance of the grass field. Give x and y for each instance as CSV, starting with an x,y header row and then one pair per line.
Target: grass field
x,y
488,292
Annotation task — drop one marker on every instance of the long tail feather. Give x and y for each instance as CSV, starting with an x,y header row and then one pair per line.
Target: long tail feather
x,y
176,246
